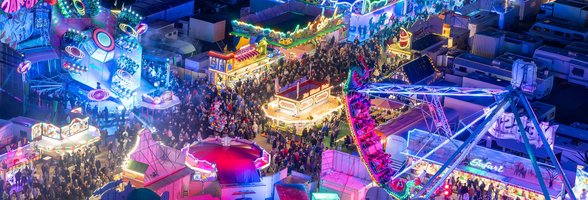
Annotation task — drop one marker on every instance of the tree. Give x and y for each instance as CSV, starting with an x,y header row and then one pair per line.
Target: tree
x,y
552,175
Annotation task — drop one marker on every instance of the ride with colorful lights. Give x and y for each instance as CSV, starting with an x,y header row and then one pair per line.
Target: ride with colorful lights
x,y
378,162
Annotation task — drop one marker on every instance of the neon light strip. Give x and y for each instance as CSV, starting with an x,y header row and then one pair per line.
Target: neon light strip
x,y
322,96
356,142
315,119
80,7
69,50
306,103
282,34
369,3
287,105
125,28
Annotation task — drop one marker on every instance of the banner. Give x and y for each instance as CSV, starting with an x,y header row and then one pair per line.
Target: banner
x,y
506,127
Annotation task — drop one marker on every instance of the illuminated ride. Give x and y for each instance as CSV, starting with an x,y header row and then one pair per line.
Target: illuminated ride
x,y
379,163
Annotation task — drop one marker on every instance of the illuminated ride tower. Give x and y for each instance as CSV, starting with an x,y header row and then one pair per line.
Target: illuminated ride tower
x,y
379,164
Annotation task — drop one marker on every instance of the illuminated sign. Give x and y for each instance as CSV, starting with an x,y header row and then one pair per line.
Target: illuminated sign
x,y
74,52
23,67
314,91
305,104
11,6
287,105
322,96
506,127
478,163
141,28
404,41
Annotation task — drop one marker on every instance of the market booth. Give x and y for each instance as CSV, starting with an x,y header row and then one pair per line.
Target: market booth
x,y
512,175
343,175
17,159
68,137
303,102
248,61
159,100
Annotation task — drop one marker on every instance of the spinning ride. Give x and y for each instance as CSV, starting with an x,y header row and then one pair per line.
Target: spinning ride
x,y
379,164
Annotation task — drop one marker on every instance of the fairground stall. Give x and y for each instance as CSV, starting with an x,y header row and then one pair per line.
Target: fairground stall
x,y
342,175
581,181
67,137
14,160
159,100
295,186
511,175
249,61
16,149
401,49
233,162
303,102
291,25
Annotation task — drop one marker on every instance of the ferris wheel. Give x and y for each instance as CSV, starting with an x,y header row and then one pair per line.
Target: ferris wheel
x,y
377,161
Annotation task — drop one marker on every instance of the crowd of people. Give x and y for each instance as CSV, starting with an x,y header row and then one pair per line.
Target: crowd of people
x,y
72,175
205,110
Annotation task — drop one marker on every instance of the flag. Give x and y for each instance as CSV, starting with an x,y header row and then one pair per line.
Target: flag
x,y
297,88
276,84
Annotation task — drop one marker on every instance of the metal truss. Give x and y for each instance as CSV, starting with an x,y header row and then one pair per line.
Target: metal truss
x,y
505,99
435,111
384,88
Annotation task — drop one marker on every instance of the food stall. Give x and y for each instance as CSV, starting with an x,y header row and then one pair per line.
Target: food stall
x,y
510,174
303,102
17,159
68,137
248,61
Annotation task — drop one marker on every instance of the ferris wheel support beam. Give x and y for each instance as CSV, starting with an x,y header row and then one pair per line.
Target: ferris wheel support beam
x,y
466,127
530,151
460,154
546,145
384,88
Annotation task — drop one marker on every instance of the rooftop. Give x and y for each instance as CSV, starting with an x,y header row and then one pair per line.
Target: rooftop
x,y
488,79
149,7
418,69
510,35
561,23
469,59
478,16
287,21
4,123
209,18
24,121
578,56
572,3
285,17
579,47
304,87
427,41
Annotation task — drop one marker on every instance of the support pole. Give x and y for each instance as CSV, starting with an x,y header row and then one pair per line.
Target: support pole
x,y
530,151
554,160
479,130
